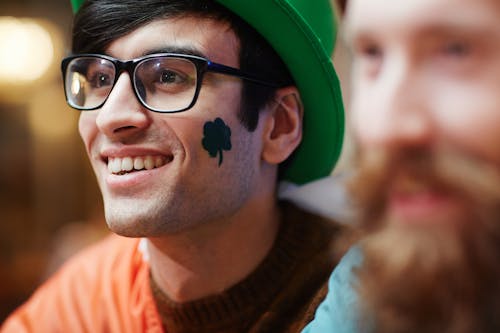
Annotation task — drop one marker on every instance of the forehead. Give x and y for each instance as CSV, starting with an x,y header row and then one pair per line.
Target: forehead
x,y
202,36
394,17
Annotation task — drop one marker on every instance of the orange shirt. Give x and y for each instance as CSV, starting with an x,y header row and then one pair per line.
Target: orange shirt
x,y
105,288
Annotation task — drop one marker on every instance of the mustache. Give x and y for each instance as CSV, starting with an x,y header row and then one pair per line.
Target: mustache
x,y
443,168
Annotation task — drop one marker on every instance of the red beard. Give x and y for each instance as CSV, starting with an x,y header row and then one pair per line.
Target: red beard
x,y
430,277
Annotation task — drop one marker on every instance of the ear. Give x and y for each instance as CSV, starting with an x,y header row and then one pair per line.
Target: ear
x,y
283,131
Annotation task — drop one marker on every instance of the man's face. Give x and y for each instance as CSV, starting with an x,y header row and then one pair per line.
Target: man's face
x,y
426,75
425,109
196,178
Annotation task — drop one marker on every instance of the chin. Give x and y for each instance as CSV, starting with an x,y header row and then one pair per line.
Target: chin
x,y
126,221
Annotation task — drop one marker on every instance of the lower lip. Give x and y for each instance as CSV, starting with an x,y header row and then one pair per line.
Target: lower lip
x,y
427,207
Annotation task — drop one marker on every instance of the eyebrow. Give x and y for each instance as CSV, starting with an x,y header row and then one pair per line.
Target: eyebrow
x,y
459,30
175,49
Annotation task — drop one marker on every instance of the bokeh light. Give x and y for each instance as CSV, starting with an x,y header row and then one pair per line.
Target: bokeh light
x,y
27,50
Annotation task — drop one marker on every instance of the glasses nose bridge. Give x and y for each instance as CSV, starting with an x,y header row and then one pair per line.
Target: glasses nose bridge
x,y
125,66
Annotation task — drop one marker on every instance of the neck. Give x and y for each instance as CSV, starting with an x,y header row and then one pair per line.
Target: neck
x,y
217,255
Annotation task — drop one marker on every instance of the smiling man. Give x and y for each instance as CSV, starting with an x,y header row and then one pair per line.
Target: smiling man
x,y
191,112
425,109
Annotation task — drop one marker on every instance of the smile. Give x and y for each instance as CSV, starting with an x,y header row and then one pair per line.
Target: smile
x,y
420,201
124,165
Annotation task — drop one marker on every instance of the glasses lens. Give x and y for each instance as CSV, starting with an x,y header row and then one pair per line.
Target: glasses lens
x,y
166,84
89,81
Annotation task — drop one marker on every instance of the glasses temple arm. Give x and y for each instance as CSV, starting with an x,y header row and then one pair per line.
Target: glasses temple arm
x,y
222,69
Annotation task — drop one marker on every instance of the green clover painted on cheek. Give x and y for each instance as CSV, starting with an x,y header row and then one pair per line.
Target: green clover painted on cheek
x,y
217,137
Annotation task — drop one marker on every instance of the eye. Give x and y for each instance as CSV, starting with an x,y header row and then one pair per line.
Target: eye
x,y
372,51
100,80
456,49
169,76
166,75
367,48
170,80
100,74
368,57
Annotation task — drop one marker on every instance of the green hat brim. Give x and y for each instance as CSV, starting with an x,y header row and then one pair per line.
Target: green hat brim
x,y
76,4
310,65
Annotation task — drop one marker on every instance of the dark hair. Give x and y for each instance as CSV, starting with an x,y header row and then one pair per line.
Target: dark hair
x,y
100,22
342,5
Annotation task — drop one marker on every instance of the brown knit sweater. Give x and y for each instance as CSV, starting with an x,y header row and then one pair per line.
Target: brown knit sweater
x,y
281,295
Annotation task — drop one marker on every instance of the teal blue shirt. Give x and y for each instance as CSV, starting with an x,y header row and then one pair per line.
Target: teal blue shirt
x,y
339,312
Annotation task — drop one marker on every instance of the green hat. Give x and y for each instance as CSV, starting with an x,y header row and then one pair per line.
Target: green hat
x,y
303,33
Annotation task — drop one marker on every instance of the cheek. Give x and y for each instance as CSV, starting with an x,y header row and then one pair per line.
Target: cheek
x,y
363,114
87,128
469,118
184,132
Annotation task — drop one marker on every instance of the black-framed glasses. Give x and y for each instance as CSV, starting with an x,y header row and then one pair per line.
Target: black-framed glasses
x,y
163,82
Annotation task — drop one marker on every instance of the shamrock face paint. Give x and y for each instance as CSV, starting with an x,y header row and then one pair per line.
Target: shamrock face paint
x,y
216,138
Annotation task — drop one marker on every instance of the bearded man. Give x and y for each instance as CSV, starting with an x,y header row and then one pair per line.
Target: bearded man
x,y
425,109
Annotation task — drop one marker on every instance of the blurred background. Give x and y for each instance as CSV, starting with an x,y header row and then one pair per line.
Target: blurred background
x,y
49,202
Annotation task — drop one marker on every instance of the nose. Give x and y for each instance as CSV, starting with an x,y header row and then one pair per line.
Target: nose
x,y
122,115
390,109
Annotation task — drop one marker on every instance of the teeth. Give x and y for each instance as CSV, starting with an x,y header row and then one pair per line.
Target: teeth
x,y
114,165
149,163
123,165
138,163
127,164
159,161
